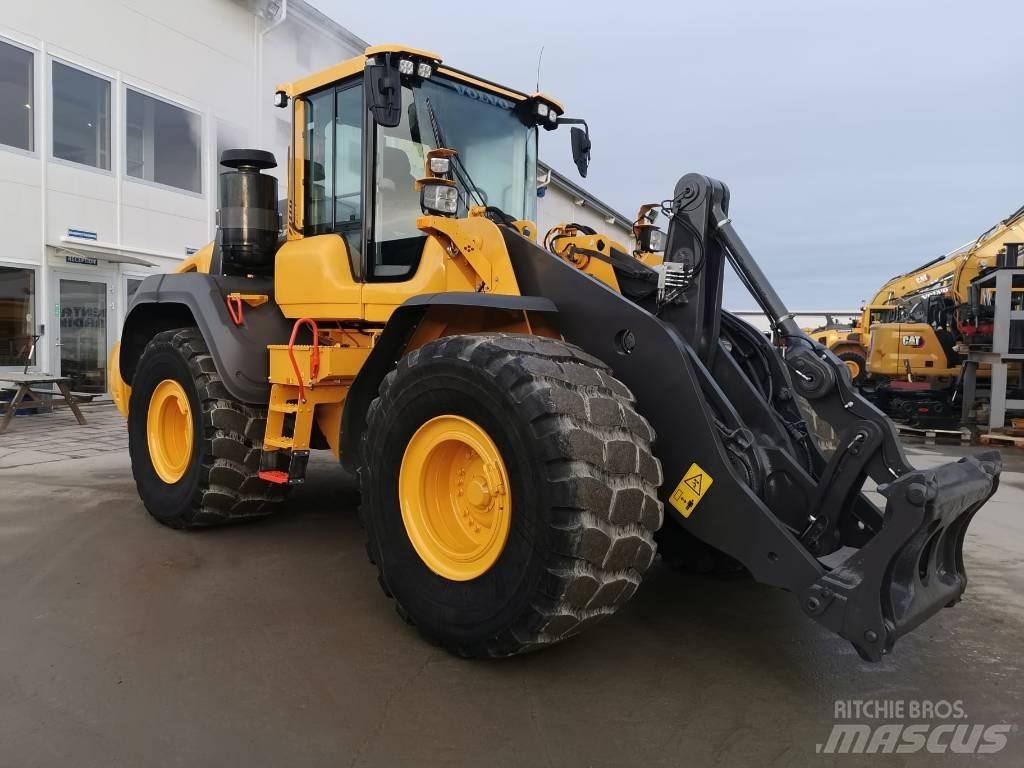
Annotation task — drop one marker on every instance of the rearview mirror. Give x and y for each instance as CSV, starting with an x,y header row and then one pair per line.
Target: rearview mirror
x,y
383,92
580,150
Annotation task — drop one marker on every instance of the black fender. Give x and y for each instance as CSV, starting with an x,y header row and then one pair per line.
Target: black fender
x,y
198,299
391,345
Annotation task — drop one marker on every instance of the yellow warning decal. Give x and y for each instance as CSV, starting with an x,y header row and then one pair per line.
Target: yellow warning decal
x,y
691,489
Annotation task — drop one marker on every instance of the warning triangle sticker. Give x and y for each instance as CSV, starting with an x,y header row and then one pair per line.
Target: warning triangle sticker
x,y
694,482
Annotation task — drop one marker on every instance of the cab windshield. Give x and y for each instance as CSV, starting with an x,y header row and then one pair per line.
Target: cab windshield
x,y
497,165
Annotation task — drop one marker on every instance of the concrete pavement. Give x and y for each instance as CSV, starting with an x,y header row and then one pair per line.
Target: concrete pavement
x,y
270,644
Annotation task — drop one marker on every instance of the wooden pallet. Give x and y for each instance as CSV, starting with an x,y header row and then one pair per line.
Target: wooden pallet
x,y
929,434
1001,438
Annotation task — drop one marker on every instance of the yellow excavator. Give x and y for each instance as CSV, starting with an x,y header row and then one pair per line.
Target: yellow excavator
x,y
522,421
914,356
904,346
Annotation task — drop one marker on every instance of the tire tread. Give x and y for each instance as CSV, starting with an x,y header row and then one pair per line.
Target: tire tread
x,y
596,449
231,432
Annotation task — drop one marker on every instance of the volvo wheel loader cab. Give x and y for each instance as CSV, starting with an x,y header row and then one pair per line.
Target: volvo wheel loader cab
x,y
522,420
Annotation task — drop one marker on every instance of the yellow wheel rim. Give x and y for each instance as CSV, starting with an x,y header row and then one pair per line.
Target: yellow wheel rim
x,y
455,497
169,431
854,367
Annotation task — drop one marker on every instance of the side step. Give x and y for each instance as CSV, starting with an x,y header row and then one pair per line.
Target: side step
x,y
295,474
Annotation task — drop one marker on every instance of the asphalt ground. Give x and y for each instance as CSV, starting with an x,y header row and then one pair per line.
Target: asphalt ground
x,y
270,644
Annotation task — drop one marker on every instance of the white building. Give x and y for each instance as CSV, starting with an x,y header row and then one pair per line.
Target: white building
x,y
562,200
112,118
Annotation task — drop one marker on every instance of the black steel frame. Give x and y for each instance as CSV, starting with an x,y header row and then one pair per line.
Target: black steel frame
x,y
721,395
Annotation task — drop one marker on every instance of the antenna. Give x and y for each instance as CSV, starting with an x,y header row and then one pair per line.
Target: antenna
x,y
540,57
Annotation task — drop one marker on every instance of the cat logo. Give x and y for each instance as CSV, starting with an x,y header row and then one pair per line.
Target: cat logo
x,y
912,340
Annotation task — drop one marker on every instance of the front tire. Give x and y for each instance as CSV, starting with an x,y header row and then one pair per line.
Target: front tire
x,y
581,501
194,449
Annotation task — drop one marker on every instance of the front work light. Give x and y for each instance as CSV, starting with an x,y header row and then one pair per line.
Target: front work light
x,y
440,165
653,240
406,66
280,99
437,197
424,70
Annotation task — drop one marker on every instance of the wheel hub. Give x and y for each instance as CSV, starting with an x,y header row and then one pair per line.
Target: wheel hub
x,y
169,431
454,496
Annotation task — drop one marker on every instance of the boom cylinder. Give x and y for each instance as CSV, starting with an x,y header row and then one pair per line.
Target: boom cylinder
x,y
755,280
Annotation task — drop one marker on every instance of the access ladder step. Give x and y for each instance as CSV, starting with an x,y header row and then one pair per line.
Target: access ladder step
x,y
273,463
283,443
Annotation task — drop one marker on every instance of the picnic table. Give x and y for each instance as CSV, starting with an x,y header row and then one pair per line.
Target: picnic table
x,y
24,383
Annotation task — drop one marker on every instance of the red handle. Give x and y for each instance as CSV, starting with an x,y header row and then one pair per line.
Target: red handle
x,y
314,358
235,309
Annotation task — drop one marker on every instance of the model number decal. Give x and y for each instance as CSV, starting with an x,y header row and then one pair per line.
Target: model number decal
x,y
487,98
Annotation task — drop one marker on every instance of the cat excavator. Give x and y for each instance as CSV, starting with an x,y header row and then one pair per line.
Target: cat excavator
x,y
904,347
914,354
522,421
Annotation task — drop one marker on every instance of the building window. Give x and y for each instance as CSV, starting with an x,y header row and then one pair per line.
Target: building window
x,y
162,142
17,312
81,117
17,100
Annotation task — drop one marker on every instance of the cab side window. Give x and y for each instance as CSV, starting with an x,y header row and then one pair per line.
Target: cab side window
x,y
333,164
400,154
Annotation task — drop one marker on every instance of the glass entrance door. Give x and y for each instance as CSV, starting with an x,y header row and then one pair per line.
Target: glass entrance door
x,y
82,341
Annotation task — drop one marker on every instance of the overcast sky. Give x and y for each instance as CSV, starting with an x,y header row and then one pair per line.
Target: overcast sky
x,y
859,138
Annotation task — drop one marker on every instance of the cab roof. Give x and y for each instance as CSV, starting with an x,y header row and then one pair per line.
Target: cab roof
x,y
356,64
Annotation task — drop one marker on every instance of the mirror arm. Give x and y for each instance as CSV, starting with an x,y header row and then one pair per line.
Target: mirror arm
x,y
575,121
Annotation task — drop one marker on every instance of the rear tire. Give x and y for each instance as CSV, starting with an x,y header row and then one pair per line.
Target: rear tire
x,y
583,488
218,480
857,366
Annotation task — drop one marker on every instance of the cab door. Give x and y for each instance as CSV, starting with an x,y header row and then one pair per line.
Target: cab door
x,y
318,272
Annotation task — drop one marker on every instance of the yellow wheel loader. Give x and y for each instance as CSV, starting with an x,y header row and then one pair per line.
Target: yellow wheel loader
x,y
520,427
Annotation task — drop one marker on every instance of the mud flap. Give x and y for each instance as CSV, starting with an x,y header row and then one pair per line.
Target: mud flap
x,y
914,565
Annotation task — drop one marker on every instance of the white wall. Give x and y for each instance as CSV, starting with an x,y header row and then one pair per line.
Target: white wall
x,y
557,206
207,56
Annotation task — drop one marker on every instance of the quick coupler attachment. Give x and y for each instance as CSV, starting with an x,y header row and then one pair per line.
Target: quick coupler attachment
x,y
913,565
